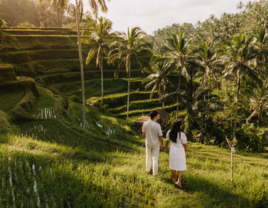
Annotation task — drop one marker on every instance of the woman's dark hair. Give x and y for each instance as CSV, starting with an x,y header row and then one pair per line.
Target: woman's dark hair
x,y
176,128
154,113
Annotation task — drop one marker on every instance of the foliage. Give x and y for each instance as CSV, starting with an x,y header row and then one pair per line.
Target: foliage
x,y
3,24
159,36
159,69
252,139
47,13
127,48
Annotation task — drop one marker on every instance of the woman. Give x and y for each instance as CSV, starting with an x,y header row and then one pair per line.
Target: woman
x,y
177,152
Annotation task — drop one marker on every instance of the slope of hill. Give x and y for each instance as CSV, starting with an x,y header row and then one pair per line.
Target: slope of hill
x,y
48,160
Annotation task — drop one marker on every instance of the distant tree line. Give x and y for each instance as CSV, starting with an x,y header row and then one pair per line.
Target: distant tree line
x,y
32,13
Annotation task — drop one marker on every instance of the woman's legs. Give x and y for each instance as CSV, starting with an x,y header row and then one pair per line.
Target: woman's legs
x,y
179,175
174,175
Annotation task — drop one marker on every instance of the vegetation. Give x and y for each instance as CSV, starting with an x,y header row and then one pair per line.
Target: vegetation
x,y
127,49
99,37
212,76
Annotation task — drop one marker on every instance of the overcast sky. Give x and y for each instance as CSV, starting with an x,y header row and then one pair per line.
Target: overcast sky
x,y
151,15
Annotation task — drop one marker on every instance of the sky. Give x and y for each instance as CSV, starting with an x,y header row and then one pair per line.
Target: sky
x,y
151,15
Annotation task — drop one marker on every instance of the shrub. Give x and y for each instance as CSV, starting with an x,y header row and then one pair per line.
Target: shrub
x,y
251,138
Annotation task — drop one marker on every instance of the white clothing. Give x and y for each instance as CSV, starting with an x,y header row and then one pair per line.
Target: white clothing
x,y
177,160
152,132
152,153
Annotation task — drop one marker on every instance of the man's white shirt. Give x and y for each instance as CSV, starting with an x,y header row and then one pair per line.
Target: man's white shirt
x,y
152,132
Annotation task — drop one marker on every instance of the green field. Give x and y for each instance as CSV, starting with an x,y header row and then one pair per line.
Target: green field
x,y
49,160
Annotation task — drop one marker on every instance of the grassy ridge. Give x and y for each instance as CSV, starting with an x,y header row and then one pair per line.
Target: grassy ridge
x,y
9,99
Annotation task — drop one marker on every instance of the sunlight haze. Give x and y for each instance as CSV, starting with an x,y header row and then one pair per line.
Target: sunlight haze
x,y
151,15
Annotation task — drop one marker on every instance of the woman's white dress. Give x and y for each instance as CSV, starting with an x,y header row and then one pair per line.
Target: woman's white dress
x,y
177,160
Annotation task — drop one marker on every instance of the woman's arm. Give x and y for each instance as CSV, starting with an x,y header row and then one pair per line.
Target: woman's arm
x,y
167,143
185,148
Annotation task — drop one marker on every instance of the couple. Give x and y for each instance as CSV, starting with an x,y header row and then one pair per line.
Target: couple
x,y
178,149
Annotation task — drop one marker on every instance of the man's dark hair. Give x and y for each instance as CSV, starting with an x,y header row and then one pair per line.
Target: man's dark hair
x,y
154,113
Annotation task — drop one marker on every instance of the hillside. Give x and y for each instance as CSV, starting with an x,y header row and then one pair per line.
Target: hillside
x,y
48,160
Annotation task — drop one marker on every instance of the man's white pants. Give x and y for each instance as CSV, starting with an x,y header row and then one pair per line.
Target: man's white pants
x,y
152,153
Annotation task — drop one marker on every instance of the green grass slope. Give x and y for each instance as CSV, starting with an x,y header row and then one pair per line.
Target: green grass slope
x,y
49,160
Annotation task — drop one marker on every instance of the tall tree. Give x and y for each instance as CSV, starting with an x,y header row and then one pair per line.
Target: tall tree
x,y
208,58
240,6
261,46
177,49
240,52
3,25
94,5
159,69
258,101
99,36
130,47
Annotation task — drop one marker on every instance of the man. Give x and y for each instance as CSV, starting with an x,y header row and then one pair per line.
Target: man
x,y
153,137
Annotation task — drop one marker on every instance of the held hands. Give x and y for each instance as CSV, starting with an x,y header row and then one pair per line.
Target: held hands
x,y
163,148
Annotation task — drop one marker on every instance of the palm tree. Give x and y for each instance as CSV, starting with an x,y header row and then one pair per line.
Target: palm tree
x,y
240,52
3,25
208,59
249,6
129,48
99,37
261,46
177,49
48,17
259,101
159,69
94,5
71,10
240,5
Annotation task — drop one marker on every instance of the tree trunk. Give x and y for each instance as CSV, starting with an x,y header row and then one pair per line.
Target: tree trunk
x,y
259,115
232,164
128,89
177,108
251,116
163,105
81,62
225,89
101,66
178,98
191,85
237,99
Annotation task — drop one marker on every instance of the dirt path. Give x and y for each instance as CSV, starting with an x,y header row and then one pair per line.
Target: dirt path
x,y
83,133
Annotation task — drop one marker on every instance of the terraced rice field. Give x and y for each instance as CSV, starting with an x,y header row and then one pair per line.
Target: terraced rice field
x,y
50,161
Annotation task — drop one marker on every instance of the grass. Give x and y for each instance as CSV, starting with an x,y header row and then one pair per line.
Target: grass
x,y
53,162
7,72
58,175
9,99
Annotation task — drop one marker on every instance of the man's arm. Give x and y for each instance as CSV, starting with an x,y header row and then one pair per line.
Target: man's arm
x,y
161,141
167,143
143,131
